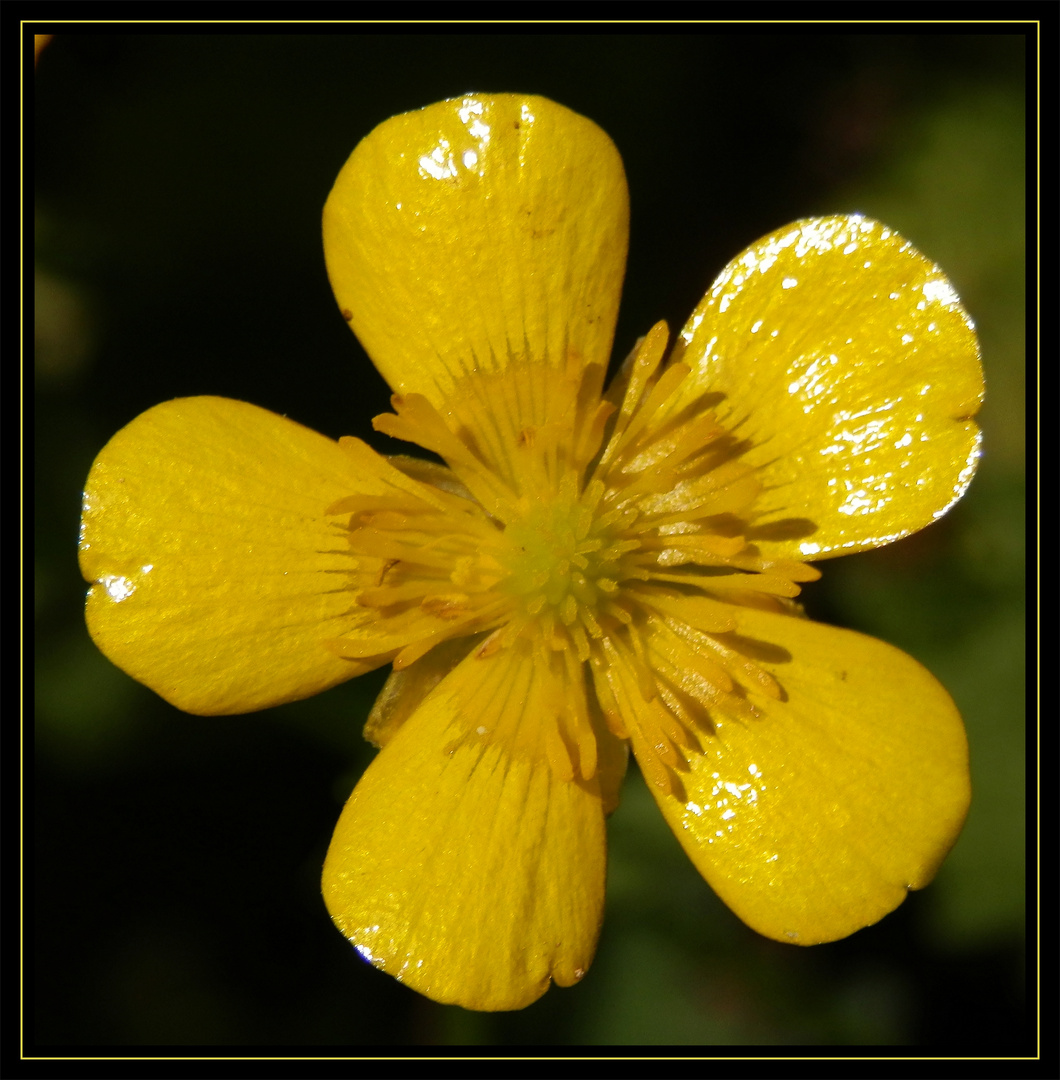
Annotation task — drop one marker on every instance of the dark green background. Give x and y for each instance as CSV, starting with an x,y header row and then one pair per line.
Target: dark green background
x,y
179,181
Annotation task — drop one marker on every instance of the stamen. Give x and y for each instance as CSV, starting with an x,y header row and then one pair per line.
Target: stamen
x,y
633,565
646,359
762,583
416,420
659,394
558,755
581,642
707,615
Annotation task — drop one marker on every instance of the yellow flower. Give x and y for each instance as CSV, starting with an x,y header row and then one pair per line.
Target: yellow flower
x,y
591,571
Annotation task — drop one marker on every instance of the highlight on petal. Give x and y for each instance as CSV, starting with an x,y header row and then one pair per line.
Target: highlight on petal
x,y
217,574
845,360
477,231
843,784
464,864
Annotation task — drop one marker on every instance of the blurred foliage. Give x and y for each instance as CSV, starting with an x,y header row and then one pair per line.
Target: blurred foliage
x,y
179,184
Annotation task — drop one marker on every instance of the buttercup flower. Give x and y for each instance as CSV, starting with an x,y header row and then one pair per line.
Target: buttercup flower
x,y
589,571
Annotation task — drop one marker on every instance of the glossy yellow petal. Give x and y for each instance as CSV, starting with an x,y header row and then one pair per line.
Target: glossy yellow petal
x,y
477,231
846,360
217,574
463,865
814,817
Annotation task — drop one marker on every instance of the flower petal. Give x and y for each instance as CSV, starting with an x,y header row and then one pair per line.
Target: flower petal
x,y
463,865
846,359
217,573
477,231
814,817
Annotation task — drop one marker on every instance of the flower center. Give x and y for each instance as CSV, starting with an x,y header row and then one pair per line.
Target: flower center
x,y
566,562
556,557
603,540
